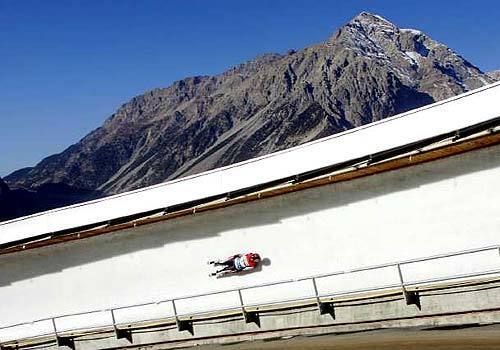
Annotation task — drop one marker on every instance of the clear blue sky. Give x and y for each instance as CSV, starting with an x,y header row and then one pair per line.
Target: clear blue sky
x,y
65,66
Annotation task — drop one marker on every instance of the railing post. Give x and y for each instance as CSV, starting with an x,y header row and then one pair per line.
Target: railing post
x,y
120,333
411,297
182,325
324,308
62,341
248,316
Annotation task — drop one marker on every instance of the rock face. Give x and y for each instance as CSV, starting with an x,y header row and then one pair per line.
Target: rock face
x,y
4,189
495,75
368,70
20,202
6,207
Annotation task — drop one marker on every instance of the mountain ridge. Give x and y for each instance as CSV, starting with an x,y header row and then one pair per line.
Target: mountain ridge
x,y
367,70
494,74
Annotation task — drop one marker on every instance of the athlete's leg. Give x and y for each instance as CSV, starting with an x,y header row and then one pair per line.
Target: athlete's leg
x,y
226,268
227,262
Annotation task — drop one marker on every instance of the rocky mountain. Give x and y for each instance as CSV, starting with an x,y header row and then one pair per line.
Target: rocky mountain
x,y
3,188
495,75
368,70
6,207
19,202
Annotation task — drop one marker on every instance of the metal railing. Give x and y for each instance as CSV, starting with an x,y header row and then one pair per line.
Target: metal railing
x,y
316,297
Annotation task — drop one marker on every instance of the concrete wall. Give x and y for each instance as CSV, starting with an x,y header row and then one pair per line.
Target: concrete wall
x,y
443,206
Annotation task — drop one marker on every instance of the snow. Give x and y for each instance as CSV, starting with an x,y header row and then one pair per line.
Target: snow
x,y
413,31
415,56
372,20
381,18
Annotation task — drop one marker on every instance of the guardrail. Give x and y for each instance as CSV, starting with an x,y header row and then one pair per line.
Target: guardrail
x,y
52,326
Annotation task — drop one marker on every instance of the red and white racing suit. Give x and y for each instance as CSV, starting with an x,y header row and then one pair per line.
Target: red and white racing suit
x,y
243,262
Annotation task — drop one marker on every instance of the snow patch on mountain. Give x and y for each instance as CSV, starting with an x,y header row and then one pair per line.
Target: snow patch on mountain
x,y
414,56
412,31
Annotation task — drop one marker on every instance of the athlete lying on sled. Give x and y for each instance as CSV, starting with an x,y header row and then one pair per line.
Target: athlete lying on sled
x,y
236,263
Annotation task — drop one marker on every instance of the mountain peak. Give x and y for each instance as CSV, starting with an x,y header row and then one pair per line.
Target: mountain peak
x,y
409,53
364,28
370,18
367,34
369,23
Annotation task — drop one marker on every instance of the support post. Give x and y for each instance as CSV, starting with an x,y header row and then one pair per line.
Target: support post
x,y
250,317
324,308
182,325
62,341
120,333
411,297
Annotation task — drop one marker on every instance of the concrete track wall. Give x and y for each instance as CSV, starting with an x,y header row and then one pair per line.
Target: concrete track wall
x,y
442,206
